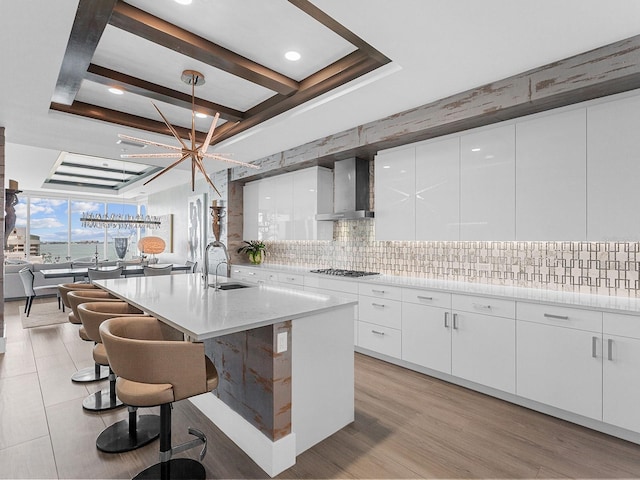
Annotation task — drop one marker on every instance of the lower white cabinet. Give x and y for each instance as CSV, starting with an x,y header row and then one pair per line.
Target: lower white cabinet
x,y
384,340
560,367
483,349
426,336
621,371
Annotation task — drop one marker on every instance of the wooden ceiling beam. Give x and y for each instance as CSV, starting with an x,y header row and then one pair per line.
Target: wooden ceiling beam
x,y
154,29
111,78
127,120
92,17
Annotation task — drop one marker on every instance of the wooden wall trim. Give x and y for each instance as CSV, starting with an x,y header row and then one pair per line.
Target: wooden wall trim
x,y
607,70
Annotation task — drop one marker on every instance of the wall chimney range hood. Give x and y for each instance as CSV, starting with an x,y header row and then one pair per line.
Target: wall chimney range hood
x,y
350,191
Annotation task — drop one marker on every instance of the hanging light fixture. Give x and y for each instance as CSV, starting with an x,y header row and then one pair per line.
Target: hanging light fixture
x,y
185,151
120,220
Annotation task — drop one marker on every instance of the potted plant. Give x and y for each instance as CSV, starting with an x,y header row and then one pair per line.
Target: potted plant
x,y
253,249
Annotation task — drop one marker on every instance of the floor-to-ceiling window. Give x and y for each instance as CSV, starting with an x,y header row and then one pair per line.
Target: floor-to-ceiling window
x,y
49,229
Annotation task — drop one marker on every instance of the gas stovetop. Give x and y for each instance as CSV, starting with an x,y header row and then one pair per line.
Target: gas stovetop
x,y
338,272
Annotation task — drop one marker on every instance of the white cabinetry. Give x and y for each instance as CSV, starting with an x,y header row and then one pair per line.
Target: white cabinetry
x,y
380,319
560,357
284,207
487,184
395,188
551,177
620,372
613,170
334,286
483,341
426,329
437,190
250,216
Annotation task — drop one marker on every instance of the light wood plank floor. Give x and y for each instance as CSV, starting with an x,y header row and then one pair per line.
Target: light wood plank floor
x,y
407,426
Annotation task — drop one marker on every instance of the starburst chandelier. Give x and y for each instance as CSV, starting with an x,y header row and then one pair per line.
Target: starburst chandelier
x,y
190,149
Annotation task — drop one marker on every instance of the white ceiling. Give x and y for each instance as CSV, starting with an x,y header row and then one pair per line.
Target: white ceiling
x,y
437,47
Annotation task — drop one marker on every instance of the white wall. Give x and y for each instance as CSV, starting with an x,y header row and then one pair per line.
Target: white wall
x,y
175,201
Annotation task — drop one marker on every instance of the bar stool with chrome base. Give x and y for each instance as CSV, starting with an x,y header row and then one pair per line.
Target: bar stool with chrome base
x,y
124,435
75,298
154,368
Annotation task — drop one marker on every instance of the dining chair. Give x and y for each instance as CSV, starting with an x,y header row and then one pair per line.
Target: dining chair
x,y
96,274
31,292
151,271
191,264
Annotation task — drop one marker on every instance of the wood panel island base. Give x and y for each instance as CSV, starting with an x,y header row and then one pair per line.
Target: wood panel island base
x,y
284,357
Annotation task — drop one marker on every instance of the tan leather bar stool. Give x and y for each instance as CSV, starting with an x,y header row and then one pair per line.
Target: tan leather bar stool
x,y
124,435
155,367
75,298
65,288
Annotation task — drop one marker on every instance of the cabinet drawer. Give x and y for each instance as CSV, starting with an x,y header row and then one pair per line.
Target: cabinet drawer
x,y
588,320
316,281
291,278
621,325
487,306
426,297
380,291
387,341
380,311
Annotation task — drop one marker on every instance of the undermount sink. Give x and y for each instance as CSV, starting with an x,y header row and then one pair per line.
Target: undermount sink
x,y
230,286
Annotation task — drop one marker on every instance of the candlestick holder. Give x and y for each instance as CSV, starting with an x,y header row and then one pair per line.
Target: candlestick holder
x,y
217,213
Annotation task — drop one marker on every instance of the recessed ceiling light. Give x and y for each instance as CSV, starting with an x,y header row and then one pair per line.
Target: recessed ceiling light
x,y
183,2
116,91
292,55
201,115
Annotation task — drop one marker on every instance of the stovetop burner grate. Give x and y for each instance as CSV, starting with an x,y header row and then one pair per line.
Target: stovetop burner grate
x,y
338,272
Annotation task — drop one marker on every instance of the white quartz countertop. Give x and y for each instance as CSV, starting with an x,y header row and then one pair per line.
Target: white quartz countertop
x,y
572,299
182,302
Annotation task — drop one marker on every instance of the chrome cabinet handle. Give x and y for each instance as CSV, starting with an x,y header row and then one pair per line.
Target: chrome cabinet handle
x,y
479,305
378,305
557,317
455,321
377,291
446,319
594,345
610,349
424,298
252,273
260,281
291,279
377,332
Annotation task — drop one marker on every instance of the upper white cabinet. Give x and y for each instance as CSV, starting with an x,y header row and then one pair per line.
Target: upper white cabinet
x,y
284,207
551,177
613,170
437,190
395,188
487,184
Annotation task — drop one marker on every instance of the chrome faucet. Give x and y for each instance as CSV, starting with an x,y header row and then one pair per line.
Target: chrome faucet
x,y
205,273
216,287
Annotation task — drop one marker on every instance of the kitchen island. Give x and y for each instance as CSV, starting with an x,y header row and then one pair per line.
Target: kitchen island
x,y
284,358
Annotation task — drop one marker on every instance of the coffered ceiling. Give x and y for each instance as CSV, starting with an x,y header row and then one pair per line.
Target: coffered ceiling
x,y
361,60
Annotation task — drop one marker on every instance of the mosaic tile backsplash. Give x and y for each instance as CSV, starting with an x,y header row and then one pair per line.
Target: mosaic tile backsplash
x,y
602,268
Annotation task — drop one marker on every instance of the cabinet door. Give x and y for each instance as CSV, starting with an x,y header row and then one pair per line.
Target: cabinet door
x,y
426,336
483,350
267,216
283,191
613,170
312,192
559,367
621,387
395,187
551,177
438,190
250,197
487,184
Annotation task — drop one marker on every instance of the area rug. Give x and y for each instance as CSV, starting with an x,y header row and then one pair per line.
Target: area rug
x,y
43,312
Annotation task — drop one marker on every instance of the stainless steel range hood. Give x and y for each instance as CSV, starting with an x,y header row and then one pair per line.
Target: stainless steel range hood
x,y
350,191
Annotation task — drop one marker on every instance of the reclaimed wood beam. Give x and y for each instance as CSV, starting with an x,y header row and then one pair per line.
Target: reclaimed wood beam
x,y
156,30
105,76
607,70
92,17
113,116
